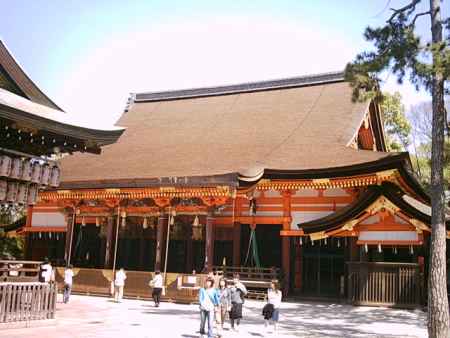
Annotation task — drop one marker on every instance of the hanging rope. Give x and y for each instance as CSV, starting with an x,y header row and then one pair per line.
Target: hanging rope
x,y
253,248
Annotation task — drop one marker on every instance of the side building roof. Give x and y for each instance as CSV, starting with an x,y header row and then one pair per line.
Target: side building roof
x,y
299,123
17,75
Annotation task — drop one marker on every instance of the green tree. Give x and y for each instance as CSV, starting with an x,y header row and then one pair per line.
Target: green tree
x,y
400,50
396,125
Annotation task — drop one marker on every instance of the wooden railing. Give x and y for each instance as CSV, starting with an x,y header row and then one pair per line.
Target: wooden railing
x,y
249,273
256,280
19,271
27,301
386,284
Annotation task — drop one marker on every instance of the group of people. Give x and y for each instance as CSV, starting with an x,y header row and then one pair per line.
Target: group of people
x,y
227,299
218,299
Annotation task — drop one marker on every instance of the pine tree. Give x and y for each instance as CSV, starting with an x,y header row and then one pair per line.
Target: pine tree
x,y
399,49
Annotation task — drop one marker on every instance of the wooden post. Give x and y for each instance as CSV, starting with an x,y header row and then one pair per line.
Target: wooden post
x,y
298,265
286,241
162,221
236,244
69,237
109,242
353,249
209,243
141,233
189,248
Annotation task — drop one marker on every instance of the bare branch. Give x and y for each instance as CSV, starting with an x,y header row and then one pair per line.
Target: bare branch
x,y
413,22
382,11
411,7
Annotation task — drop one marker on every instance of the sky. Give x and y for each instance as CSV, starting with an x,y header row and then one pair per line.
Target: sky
x,y
88,56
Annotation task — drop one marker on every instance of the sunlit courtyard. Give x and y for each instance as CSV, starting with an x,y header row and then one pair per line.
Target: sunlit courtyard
x,y
89,317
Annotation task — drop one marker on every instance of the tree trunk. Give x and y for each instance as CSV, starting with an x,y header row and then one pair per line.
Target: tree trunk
x,y
438,315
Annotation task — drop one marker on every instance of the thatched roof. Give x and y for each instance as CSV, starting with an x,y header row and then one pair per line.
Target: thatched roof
x,y
297,123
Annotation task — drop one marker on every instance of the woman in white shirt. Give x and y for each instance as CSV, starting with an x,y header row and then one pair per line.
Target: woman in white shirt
x,y
119,284
274,296
157,284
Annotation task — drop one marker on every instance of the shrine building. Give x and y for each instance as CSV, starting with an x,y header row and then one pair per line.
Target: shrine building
x,y
288,175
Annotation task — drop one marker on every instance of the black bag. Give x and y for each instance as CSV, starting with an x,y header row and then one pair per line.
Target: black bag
x,y
267,311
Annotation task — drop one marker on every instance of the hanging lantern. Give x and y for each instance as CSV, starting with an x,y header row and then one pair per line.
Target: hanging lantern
x,y
325,241
97,221
83,221
395,250
145,223
312,242
338,243
196,221
366,248
124,222
40,235
379,247
57,237
50,235
172,220
411,250
300,241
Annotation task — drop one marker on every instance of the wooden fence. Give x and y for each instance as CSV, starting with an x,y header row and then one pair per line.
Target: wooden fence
x,y
385,284
19,271
98,282
27,301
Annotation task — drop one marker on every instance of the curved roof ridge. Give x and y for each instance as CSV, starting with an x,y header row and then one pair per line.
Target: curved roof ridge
x,y
297,81
16,72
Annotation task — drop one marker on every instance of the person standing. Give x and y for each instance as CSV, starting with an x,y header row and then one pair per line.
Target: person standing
x,y
157,284
46,271
119,284
274,296
238,291
224,304
68,279
209,300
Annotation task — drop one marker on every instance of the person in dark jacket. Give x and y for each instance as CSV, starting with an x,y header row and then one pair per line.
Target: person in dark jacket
x,y
238,291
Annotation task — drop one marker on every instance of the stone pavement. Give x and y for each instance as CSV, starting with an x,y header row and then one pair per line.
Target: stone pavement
x,y
97,317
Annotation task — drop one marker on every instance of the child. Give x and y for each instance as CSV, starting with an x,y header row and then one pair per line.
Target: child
x,y
157,284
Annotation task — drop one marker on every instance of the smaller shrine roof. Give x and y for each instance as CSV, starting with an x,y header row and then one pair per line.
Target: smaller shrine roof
x,y
16,73
23,111
393,193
